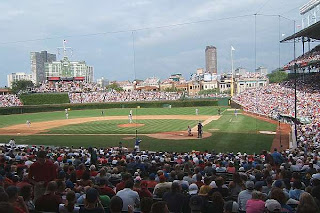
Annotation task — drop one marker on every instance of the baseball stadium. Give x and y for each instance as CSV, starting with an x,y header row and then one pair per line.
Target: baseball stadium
x,y
229,142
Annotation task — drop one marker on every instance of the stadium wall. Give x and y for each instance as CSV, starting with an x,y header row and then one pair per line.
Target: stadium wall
x,y
146,104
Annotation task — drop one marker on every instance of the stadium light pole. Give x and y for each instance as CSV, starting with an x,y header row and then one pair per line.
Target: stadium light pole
x,y
295,82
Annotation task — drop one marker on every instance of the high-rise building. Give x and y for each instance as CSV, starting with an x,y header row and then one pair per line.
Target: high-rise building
x,y
37,65
211,59
17,77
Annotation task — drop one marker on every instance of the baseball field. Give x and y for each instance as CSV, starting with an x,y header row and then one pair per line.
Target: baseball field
x,y
161,129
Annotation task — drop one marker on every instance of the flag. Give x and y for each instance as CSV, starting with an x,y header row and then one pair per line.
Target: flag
x,y
283,34
232,49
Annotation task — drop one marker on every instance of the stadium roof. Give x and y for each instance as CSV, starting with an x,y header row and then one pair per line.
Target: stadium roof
x,y
312,31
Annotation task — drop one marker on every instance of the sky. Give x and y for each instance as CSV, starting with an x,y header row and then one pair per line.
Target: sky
x,y
129,39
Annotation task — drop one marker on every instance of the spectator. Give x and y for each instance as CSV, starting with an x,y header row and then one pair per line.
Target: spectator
x,y
307,204
40,173
272,206
256,203
159,207
146,204
49,202
92,202
69,206
116,204
128,196
196,204
245,195
175,200
231,207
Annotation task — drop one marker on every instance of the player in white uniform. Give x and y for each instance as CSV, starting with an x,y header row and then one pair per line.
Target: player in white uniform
x,y
28,123
197,111
67,114
130,118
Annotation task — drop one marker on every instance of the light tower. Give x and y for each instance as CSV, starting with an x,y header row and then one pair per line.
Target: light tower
x,y
64,48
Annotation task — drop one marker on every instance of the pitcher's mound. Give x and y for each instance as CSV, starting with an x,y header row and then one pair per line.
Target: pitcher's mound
x,y
130,125
178,135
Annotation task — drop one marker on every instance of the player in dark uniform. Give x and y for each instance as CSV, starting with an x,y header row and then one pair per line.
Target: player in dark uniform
x,y
137,144
200,130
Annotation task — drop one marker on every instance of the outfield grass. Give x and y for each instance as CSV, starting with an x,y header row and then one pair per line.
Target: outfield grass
x,y
7,120
231,133
110,127
220,142
229,123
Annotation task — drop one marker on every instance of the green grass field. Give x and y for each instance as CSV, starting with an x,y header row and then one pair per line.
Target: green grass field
x,y
7,120
110,127
229,133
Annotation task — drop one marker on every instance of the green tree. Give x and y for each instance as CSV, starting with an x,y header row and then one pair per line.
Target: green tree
x,y
277,76
114,86
21,85
209,91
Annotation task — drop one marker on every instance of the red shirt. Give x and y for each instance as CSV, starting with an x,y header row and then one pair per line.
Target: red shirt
x,y
43,172
106,190
152,183
120,186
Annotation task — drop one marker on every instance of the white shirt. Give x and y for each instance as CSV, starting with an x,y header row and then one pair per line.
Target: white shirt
x,y
129,197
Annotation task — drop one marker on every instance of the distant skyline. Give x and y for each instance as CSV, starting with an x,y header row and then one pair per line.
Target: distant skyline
x,y
158,50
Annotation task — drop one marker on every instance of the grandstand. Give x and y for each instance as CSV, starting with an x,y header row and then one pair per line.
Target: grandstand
x,y
117,179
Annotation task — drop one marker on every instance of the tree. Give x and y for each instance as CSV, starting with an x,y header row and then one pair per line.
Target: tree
x,y
114,86
209,91
277,76
21,85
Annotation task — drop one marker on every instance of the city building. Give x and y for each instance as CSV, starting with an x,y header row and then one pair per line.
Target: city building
x,y
243,84
68,70
240,71
194,88
150,84
211,59
209,85
17,77
224,83
200,71
38,59
127,86
101,82
166,85
310,13
262,71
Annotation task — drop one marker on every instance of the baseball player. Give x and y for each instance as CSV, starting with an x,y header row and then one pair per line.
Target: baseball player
x,y
200,130
28,123
189,131
236,113
197,111
130,117
67,113
137,144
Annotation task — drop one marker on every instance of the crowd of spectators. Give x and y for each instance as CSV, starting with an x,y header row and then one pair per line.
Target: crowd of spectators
x,y
123,96
279,99
61,179
66,86
9,100
304,60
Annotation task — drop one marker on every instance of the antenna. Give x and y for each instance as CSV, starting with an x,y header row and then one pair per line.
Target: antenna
x,y
65,49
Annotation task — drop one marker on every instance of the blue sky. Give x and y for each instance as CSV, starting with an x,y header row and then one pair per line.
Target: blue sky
x,y
159,51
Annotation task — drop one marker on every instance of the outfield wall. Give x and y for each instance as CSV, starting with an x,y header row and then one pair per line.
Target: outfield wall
x,y
145,104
